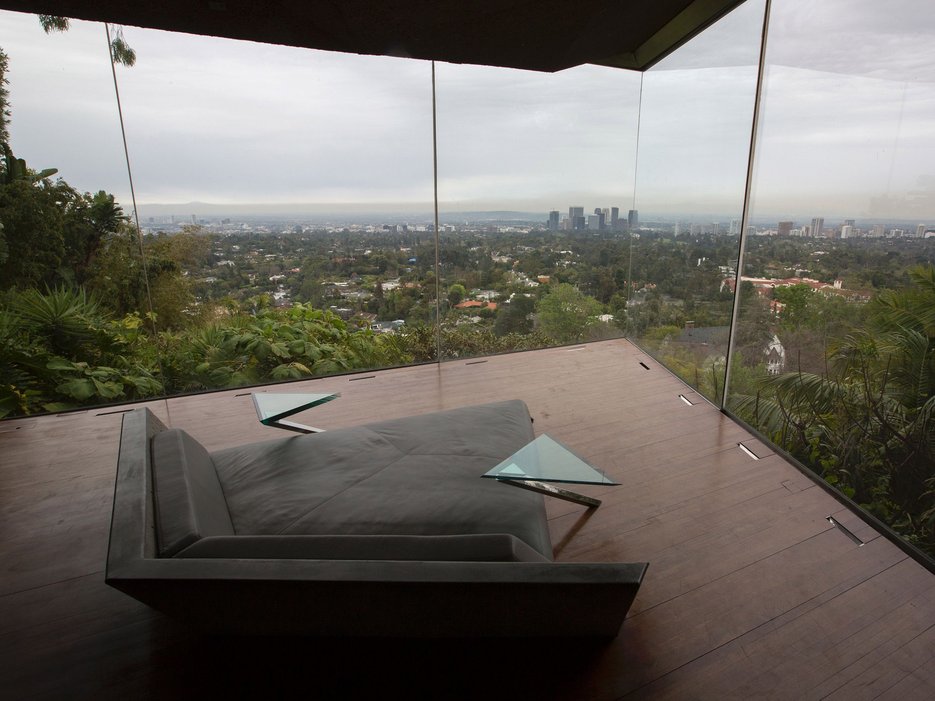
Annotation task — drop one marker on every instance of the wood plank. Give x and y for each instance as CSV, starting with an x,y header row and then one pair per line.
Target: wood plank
x,y
667,637
750,590
900,668
813,649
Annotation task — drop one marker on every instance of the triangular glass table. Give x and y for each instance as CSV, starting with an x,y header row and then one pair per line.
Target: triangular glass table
x,y
273,408
546,460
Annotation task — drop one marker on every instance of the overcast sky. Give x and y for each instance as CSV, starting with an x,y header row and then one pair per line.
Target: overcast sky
x,y
847,126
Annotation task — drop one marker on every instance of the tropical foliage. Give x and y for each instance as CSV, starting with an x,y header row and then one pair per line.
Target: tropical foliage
x,y
271,345
867,425
60,349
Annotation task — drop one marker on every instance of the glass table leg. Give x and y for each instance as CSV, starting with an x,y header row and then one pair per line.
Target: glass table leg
x,y
553,491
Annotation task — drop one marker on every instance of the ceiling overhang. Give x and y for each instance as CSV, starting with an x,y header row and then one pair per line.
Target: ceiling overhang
x,y
542,35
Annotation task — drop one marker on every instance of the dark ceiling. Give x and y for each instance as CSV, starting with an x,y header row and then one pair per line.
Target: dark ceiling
x,y
543,35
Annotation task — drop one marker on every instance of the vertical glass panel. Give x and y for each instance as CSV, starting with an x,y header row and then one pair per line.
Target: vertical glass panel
x,y
64,194
695,129
836,330
283,195
535,179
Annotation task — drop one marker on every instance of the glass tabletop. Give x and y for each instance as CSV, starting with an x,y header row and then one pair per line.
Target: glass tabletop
x,y
272,407
547,460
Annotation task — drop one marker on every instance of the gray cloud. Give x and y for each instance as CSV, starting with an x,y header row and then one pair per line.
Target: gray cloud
x,y
847,120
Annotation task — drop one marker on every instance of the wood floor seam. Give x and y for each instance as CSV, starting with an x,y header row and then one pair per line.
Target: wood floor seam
x,y
742,563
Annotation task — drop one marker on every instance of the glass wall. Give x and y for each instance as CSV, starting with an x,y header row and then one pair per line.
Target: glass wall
x,y
695,130
534,171
63,184
281,220
285,199
284,211
836,335
285,223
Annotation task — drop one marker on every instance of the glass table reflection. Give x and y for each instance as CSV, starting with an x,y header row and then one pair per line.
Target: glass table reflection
x,y
273,408
545,460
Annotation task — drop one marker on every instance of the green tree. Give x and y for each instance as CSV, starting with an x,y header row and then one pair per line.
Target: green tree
x,y
89,219
33,220
4,99
754,327
796,300
119,276
51,231
120,51
868,425
565,314
515,316
456,294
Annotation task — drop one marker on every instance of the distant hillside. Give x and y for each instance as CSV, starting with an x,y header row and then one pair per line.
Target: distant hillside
x,y
362,213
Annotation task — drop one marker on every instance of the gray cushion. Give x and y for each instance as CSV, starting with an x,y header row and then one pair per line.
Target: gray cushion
x,y
460,548
419,475
188,499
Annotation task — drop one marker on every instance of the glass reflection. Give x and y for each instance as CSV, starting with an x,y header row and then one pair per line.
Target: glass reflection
x,y
535,180
284,193
838,276
695,127
70,333
284,198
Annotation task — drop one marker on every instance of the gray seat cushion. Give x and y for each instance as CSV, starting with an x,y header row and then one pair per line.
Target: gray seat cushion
x,y
415,476
188,498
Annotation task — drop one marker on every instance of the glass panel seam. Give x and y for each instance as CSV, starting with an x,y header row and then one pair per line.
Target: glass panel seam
x,y
745,217
438,319
136,211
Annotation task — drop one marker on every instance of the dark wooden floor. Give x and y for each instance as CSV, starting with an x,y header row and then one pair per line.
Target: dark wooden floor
x,y
751,592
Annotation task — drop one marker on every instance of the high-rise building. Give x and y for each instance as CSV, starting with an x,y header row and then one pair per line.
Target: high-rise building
x,y
734,226
605,217
614,218
633,220
576,221
553,220
601,219
785,228
847,231
818,224
920,231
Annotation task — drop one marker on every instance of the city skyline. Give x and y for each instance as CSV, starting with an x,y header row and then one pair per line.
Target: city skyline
x,y
554,220
231,122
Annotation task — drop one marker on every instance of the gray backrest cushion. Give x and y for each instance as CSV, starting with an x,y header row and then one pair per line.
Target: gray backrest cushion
x,y
188,498
495,547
